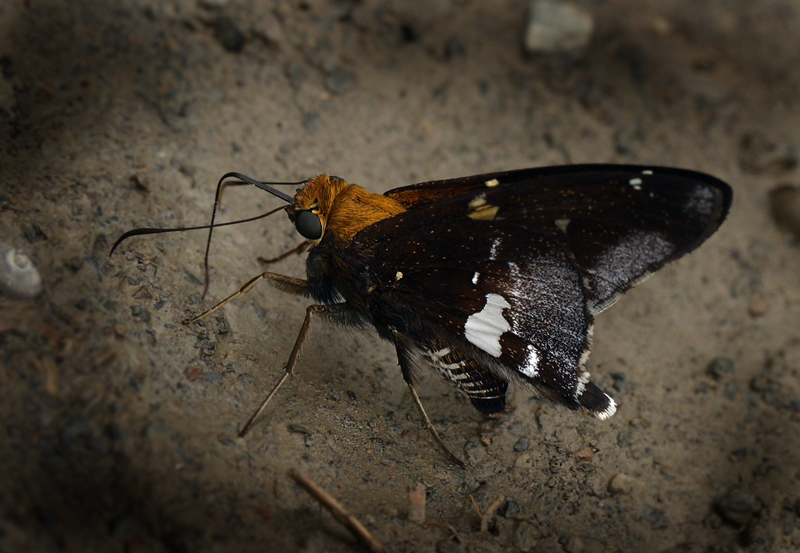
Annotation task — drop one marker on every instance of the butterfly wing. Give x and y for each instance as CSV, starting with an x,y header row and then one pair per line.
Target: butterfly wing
x,y
510,273
486,390
620,222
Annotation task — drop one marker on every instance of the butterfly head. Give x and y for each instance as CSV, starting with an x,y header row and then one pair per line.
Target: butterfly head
x,y
311,206
328,204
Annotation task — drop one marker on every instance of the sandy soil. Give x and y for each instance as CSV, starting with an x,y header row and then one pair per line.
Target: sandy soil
x,y
118,424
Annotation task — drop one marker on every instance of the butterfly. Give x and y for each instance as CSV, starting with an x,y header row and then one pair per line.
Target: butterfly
x,y
490,279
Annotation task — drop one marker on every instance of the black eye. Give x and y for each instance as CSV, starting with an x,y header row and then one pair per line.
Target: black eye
x,y
308,225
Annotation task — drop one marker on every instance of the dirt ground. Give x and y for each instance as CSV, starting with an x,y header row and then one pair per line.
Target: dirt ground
x,y
118,424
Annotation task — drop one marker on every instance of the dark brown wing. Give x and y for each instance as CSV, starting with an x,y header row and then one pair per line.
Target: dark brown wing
x,y
510,272
621,223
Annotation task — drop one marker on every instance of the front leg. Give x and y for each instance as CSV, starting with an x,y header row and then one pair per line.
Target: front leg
x,y
335,313
291,285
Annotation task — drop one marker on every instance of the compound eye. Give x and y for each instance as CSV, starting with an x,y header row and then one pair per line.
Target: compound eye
x,y
308,225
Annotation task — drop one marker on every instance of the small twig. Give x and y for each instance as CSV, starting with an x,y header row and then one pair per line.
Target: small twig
x,y
337,510
416,504
489,514
475,506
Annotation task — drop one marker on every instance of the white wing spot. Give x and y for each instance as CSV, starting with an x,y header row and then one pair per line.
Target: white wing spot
x,y
477,201
484,328
636,183
608,411
562,224
583,380
491,183
495,248
531,366
475,278
484,212
440,353
647,172
452,367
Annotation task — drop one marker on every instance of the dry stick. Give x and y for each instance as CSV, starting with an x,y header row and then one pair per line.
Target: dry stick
x,y
487,516
337,510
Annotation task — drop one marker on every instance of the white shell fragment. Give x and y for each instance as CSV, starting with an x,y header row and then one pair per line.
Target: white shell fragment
x,y
18,277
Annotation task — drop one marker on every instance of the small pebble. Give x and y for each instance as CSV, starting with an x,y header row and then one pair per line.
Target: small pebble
x,y
621,484
119,329
758,308
584,455
526,536
140,314
140,182
738,506
339,80
18,277
720,367
522,444
509,509
557,27
208,348
574,545
192,373
619,381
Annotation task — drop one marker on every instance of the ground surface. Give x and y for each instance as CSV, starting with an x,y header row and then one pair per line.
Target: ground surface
x,y
118,424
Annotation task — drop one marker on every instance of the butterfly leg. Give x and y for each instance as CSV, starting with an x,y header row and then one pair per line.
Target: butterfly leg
x,y
334,313
295,286
297,250
408,363
431,429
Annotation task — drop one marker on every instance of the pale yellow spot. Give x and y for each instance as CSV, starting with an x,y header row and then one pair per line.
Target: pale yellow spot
x,y
398,276
477,202
484,213
562,224
492,183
